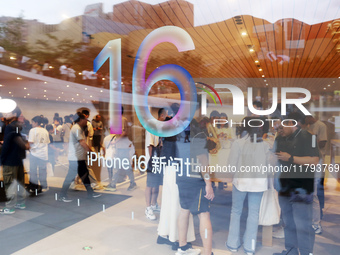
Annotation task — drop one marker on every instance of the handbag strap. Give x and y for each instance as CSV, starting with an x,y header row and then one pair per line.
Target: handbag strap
x,y
108,145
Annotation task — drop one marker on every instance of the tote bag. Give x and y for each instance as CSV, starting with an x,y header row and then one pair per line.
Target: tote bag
x,y
270,208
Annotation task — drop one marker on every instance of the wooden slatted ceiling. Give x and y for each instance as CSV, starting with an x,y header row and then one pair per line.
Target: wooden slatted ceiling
x,y
222,52
216,47
329,55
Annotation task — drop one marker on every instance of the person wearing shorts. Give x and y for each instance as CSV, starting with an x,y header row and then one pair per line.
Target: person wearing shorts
x,y
154,177
196,192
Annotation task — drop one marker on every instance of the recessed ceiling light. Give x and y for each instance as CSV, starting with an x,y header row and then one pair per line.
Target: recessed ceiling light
x,y
266,84
44,90
324,88
91,96
46,98
58,97
244,33
45,82
251,50
262,75
24,88
77,94
44,95
329,85
18,78
67,85
62,92
260,69
72,98
24,96
265,80
101,90
80,73
256,61
333,81
0,85
28,94
10,92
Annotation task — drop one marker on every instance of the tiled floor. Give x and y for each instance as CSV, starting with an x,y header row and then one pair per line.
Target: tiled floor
x,y
123,228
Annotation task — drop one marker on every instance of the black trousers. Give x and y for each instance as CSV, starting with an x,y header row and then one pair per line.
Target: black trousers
x,y
96,142
80,168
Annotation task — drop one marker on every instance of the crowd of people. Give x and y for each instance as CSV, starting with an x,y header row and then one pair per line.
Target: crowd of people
x,y
67,73
299,196
186,191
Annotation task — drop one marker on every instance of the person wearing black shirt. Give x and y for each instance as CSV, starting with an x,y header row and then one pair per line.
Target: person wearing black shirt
x,y
295,152
12,155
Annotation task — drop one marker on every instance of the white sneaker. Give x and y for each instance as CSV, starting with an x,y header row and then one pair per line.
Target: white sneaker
x,y
149,213
189,251
73,185
318,229
279,233
156,208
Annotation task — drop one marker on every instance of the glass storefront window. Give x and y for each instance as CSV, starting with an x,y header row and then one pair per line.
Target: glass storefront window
x,y
121,121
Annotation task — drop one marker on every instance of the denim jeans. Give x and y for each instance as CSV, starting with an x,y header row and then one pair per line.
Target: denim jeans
x,y
299,233
38,172
250,234
115,172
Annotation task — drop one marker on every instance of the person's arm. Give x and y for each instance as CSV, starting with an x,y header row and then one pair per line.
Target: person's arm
x,y
322,136
93,125
54,148
203,159
90,129
21,143
30,139
150,150
84,145
322,144
284,156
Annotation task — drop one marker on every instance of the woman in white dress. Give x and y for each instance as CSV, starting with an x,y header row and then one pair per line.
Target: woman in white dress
x,y
167,227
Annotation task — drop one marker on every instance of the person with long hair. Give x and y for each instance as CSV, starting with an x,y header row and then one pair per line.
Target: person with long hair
x,y
249,151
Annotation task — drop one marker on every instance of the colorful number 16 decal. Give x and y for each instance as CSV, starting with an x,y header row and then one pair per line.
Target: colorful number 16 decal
x,y
141,87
